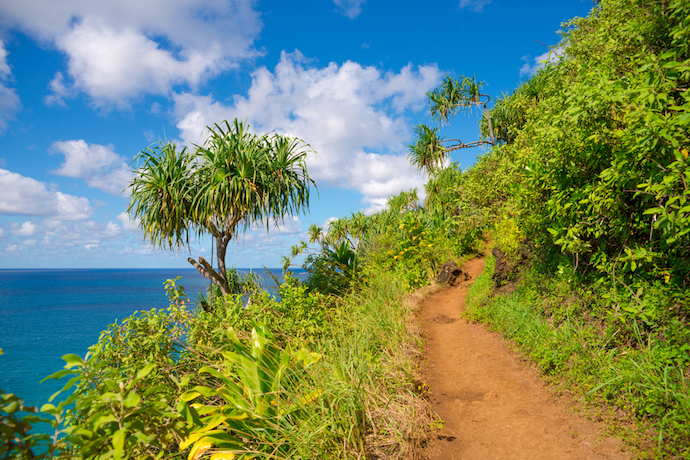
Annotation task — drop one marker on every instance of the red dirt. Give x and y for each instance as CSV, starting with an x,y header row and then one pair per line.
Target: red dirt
x,y
493,404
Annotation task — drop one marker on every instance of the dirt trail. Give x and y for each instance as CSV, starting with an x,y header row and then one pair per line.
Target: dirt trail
x,y
493,404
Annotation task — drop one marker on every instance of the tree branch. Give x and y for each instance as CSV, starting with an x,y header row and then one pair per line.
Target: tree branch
x,y
206,270
462,145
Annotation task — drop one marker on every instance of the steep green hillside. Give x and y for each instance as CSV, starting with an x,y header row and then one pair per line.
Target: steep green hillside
x,y
595,152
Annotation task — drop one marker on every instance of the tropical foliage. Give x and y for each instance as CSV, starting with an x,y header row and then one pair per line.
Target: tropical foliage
x,y
588,168
233,179
594,155
453,96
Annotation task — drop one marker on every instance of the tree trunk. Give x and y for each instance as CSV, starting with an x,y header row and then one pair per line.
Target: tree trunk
x,y
205,269
221,247
220,277
491,128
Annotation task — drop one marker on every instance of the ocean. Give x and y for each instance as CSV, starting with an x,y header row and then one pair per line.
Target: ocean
x,y
45,314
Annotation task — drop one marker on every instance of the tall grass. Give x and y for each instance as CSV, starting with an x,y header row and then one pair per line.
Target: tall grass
x,y
369,407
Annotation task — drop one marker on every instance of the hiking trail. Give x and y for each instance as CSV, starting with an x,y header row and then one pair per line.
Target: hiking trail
x,y
492,401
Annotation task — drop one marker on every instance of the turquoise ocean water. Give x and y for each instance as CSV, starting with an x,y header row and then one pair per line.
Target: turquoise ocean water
x,y
45,314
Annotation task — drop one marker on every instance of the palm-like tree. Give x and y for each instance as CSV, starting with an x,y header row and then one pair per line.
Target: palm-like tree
x,y
455,95
233,179
427,153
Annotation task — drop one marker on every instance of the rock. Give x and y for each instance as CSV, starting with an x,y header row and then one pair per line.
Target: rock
x,y
451,274
508,269
502,269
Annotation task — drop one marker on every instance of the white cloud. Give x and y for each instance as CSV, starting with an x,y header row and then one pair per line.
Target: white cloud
x,y
532,65
81,242
290,226
98,165
353,116
128,225
349,8
66,234
120,50
261,246
150,135
9,100
59,91
474,5
24,196
26,229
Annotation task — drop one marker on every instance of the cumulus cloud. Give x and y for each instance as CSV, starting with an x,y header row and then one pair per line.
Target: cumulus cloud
x,y
49,236
532,65
24,196
128,224
290,226
349,8
353,116
9,100
98,165
26,229
117,51
474,5
67,234
59,91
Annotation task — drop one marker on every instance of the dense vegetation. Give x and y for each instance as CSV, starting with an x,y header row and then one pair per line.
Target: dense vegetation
x,y
320,373
594,161
233,179
584,190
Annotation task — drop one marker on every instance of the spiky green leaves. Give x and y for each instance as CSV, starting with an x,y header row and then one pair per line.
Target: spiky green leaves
x,y
251,177
234,178
162,193
427,153
453,96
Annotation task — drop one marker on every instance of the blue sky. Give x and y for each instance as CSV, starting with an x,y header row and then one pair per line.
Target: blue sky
x,y
85,85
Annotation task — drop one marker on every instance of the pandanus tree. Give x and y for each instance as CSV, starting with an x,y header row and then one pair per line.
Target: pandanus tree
x,y
234,179
428,152
453,96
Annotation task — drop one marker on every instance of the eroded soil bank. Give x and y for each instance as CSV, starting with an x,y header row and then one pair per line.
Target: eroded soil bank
x,y
493,404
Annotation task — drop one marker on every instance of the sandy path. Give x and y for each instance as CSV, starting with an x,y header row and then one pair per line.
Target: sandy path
x,y
494,406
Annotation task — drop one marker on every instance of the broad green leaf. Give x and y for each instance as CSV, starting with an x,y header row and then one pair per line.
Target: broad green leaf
x,y
48,409
102,419
131,400
189,395
70,383
119,444
205,391
145,371
211,422
13,407
58,375
72,360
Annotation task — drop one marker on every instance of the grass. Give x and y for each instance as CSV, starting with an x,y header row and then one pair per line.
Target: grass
x,y
639,383
356,399
369,407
